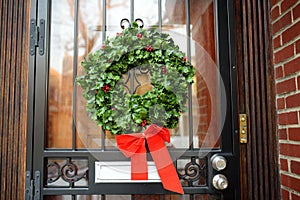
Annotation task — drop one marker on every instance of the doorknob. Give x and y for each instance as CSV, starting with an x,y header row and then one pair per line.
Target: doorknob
x,y
220,182
218,162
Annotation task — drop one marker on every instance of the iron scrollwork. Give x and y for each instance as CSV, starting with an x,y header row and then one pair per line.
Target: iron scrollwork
x,y
69,172
194,172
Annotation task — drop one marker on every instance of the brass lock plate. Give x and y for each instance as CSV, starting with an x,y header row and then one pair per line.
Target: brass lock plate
x,y
243,128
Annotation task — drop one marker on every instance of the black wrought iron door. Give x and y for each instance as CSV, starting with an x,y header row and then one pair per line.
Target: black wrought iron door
x,y
70,157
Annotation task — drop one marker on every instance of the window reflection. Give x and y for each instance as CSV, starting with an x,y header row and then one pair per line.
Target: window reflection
x,y
207,79
59,126
206,116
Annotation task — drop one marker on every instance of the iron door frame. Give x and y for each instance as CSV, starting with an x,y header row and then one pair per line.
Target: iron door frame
x,y
37,117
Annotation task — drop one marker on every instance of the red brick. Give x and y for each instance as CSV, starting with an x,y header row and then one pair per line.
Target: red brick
x,y
284,164
294,134
288,118
282,134
275,12
292,66
296,12
284,53
280,103
298,80
282,22
285,194
295,167
295,197
290,150
279,72
293,101
286,86
276,42
290,182
298,45
286,4
291,33
273,2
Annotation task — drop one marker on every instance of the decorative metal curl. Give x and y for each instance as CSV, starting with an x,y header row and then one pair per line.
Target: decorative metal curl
x,y
68,172
55,172
192,171
126,21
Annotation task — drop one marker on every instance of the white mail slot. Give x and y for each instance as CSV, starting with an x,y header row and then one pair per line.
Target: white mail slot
x,y
120,172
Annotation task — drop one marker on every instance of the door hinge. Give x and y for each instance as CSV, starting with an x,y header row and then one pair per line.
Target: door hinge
x,y
32,190
243,128
37,37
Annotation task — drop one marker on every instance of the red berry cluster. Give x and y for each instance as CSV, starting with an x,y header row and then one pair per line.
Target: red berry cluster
x,y
105,88
120,34
164,70
139,35
148,48
144,122
184,59
103,47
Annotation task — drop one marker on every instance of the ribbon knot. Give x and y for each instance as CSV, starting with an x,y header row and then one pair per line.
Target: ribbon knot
x,y
134,146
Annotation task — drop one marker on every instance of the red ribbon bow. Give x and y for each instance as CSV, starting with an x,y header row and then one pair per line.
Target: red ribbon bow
x,y
133,145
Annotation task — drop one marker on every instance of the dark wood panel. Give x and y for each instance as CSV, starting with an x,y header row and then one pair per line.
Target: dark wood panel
x,y
14,36
259,162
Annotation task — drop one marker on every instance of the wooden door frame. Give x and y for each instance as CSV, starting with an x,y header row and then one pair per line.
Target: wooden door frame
x,y
255,88
256,98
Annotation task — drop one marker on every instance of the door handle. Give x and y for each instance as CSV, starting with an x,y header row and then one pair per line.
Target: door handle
x,y
220,182
218,162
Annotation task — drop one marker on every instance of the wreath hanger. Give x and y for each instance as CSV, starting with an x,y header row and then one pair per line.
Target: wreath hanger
x,y
125,23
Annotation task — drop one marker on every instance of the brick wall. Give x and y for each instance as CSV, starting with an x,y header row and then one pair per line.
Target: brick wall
x,y
286,41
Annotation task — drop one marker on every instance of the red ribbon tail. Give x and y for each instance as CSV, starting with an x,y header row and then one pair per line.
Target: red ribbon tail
x,y
166,170
170,182
139,165
164,164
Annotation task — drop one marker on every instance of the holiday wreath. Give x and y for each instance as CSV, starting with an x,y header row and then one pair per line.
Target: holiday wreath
x,y
106,98
116,110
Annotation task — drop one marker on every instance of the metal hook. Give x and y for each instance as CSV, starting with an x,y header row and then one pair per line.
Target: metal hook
x,y
125,21
140,22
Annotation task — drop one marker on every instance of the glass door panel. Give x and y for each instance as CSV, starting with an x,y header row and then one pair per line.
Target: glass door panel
x,y
60,89
199,41
90,24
